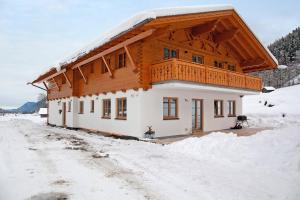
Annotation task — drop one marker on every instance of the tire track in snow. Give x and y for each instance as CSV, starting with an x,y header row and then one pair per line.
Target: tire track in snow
x,y
111,168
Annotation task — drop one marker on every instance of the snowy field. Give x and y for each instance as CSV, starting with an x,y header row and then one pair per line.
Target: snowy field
x,y
40,162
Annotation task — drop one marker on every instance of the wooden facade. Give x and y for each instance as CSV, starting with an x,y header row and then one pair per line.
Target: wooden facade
x,y
214,48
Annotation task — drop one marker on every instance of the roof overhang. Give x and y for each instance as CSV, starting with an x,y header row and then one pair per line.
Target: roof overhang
x,y
261,58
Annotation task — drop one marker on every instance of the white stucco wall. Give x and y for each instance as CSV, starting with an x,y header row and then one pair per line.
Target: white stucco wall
x,y
153,112
55,117
145,108
94,121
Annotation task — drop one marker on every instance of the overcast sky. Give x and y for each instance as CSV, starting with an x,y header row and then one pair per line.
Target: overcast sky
x,y
37,33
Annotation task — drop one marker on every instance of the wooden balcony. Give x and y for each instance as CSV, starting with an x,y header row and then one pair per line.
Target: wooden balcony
x,y
174,69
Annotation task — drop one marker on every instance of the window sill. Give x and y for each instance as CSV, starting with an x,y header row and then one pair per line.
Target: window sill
x,y
231,115
219,116
103,117
120,118
171,118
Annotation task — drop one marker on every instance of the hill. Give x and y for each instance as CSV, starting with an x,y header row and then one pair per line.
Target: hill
x,y
28,107
287,52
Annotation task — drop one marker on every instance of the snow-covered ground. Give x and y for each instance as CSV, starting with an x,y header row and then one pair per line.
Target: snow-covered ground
x,y
40,162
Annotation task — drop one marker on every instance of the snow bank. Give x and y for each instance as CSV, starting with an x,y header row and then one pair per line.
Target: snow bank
x,y
278,108
285,100
277,150
32,117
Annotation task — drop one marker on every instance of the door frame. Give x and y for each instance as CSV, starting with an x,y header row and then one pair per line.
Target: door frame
x,y
200,130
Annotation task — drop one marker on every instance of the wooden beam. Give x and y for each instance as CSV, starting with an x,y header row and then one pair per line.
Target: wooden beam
x,y
244,44
116,47
36,86
85,80
45,85
131,59
234,52
225,36
252,63
255,69
55,83
67,79
108,67
204,28
240,51
52,76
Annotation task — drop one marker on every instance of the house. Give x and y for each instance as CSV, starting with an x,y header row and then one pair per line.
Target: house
x,y
268,89
43,112
179,70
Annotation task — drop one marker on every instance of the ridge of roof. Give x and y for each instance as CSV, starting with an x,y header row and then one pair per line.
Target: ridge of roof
x,y
135,21
144,17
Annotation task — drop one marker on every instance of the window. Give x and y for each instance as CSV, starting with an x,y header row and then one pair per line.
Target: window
x,y
173,53
197,59
231,67
92,68
219,64
63,80
231,108
81,107
69,106
218,105
121,108
92,106
121,60
106,106
170,108
103,66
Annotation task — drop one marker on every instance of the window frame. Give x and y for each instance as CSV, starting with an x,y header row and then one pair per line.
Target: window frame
x,y
197,59
69,106
81,107
231,108
106,107
123,116
169,116
219,64
92,106
170,52
221,113
121,54
231,67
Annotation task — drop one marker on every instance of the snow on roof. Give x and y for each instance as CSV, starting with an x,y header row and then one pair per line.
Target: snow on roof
x,y
43,111
144,17
134,21
269,88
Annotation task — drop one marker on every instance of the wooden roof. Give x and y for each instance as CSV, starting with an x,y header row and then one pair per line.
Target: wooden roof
x,y
226,26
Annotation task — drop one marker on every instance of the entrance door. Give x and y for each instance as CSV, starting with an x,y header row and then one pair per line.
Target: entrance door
x,y
64,113
197,117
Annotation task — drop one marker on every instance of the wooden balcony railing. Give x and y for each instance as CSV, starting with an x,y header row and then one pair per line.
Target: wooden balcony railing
x,y
175,69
